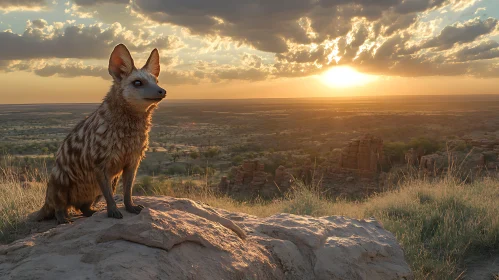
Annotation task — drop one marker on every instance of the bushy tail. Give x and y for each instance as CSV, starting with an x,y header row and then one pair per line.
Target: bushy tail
x,y
43,214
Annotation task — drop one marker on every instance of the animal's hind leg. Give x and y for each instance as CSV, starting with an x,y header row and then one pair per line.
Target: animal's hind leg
x,y
114,184
62,216
50,215
61,206
87,209
97,199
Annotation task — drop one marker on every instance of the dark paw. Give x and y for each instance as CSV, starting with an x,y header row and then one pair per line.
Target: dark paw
x,y
88,213
114,213
135,209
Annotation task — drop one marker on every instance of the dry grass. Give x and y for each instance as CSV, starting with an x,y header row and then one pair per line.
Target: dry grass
x,y
439,224
18,199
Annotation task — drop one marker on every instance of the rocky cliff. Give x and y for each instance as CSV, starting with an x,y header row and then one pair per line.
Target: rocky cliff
x,y
364,153
182,239
250,179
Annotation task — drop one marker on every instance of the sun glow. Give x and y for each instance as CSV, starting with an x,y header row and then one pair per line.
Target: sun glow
x,y
344,76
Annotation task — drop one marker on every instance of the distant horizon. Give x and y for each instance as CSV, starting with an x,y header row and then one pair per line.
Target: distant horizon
x,y
477,97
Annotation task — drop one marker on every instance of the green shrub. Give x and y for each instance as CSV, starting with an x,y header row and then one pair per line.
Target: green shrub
x,y
244,148
211,152
395,151
427,146
194,154
196,169
237,160
176,170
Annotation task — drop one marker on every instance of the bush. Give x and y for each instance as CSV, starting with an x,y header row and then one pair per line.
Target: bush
x,y
176,170
196,169
427,146
304,200
211,152
194,154
145,186
395,151
245,148
273,161
237,160
462,146
440,224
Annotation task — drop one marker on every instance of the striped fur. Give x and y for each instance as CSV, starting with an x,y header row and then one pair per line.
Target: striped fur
x,y
110,143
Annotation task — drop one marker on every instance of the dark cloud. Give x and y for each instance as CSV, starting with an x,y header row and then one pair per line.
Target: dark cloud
x,y
65,70
311,35
270,25
266,25
399,54
168,77
306,38
173,77
78,69
38,23
69,71
461,33
304,55
415,6
349,51
74,42
96,2
484,50
13,4
395,22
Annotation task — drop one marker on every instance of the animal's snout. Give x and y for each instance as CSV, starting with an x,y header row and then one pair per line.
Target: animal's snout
x,y
154,93
161,92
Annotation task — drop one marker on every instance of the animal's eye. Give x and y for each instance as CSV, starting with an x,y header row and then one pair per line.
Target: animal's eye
x,y
137,83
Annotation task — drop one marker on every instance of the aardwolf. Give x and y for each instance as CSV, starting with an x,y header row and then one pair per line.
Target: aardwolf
x,y
109,143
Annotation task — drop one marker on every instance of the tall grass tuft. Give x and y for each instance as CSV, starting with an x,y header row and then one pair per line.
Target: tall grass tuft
x,y
21,193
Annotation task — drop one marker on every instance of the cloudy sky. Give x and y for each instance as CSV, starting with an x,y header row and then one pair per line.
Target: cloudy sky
x,y
57,51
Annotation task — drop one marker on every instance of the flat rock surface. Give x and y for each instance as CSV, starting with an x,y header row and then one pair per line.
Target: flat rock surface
x,y
182,239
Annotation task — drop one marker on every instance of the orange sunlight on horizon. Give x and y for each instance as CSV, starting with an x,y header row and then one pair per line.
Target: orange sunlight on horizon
x,y
28,88
345,77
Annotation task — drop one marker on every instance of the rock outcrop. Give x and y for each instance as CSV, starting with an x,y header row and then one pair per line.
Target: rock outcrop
x,y
283,178
354,175
364,153
181,239
250,179
251,172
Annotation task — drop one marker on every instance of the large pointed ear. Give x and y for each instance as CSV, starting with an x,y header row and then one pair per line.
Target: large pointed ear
x,y
152,64
120,63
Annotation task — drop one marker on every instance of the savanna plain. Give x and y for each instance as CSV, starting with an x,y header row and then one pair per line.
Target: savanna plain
x,y
424,166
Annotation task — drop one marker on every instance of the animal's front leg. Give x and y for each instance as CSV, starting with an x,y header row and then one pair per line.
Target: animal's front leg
x,y
128,179
105,186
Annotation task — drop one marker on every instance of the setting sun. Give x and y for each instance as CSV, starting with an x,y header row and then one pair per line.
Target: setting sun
x,y
344,76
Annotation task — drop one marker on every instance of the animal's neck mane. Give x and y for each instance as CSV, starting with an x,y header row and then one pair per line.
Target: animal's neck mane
x,y
121,111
